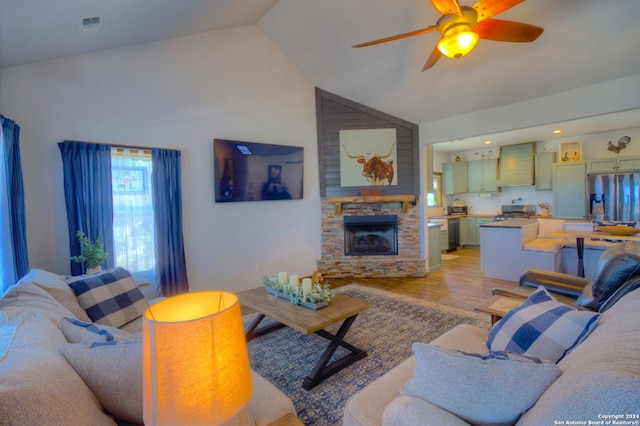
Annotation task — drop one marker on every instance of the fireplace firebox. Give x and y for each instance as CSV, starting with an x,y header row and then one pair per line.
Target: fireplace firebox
x,y
371,235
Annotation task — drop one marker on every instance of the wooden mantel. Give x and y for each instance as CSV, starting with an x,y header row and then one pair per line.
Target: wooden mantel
x,y
404,199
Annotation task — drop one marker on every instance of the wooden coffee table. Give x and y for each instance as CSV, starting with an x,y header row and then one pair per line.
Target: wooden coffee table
x,y
499,304
341,308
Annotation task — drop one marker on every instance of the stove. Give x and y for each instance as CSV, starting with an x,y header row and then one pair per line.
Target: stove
x,y
515,211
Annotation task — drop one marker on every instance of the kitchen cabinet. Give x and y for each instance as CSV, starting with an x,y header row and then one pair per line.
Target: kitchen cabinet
x,y
613,165
470,230
480,221
444,241
544,170
570,190
468,233
482,175
516,164
455,177
435,255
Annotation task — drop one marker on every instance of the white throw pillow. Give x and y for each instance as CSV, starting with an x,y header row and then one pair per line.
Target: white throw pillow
x,y
110,297
113,370
489,388
541,327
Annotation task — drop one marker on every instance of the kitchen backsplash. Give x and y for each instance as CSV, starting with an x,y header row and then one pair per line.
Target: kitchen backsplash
x,y
491,203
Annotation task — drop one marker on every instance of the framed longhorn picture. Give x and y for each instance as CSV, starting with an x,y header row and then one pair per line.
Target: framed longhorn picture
x,y
368,157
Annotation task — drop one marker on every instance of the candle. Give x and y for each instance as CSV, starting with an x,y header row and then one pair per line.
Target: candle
x,y
306,286
293,281
282,277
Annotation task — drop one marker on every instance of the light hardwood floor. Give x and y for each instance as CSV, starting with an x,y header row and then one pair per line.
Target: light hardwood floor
x,y
459,283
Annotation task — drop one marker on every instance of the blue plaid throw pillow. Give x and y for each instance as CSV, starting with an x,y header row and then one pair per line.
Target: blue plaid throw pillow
x,y
110,297
541,327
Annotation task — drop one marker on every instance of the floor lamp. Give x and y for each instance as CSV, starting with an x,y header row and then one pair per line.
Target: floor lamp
x,y
195,361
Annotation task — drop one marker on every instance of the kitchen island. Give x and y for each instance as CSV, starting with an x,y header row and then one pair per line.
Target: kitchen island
x,y
501,250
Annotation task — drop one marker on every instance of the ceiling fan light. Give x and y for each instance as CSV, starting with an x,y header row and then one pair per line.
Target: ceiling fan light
x,y
458,42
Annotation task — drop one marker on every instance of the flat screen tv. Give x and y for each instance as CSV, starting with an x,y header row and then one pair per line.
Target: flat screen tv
x,y
251,171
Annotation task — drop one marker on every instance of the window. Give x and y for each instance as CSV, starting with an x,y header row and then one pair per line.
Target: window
x,y
434,199
134,236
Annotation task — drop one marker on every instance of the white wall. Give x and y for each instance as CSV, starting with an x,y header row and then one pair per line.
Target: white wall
x,y
180,94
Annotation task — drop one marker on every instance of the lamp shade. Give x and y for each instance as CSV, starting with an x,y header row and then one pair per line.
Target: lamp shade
x,y
458,41
195,361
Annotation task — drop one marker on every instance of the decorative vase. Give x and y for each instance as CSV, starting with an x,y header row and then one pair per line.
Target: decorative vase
x,y
94,270
544,212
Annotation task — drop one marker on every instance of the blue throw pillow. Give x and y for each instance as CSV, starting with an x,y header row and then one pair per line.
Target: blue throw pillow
x,y
110,297
541,327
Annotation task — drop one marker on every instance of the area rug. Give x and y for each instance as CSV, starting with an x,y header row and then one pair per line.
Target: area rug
x,y
386,331
448,256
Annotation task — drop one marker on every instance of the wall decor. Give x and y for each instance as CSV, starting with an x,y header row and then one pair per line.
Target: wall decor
x,y
368,157
570,151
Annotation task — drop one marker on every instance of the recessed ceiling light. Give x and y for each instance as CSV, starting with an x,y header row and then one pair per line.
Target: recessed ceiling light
x,y
488,142
557,131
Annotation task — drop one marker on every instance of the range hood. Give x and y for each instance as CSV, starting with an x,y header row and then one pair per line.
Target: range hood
x,y
516,166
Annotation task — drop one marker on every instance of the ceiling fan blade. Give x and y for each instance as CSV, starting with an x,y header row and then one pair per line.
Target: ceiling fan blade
x,y
446,7
499,30
488,8
399,36
433,58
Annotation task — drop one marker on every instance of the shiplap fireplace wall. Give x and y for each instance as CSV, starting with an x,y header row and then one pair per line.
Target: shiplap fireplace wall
x,y
407,263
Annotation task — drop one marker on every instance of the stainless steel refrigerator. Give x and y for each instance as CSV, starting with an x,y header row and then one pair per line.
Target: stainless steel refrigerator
x,y
614,197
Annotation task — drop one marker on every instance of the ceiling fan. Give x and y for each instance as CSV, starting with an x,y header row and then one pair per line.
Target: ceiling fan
x,y
462,26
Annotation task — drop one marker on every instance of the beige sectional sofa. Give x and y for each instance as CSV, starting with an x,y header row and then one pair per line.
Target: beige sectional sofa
x,y
49,375
599,381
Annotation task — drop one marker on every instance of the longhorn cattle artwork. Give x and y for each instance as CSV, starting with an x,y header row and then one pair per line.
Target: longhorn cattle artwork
x,y
368,157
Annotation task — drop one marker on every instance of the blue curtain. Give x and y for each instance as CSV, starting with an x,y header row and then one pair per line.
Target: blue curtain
x,y
15,192
167,206
87,192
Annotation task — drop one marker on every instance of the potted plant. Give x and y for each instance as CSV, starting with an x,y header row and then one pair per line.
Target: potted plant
x,y
92,254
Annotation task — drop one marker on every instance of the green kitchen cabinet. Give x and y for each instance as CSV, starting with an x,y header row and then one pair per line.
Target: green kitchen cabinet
x,y
435,254
468,233
613,165
455,177
480,221
570,190
482,175
470,230
544,170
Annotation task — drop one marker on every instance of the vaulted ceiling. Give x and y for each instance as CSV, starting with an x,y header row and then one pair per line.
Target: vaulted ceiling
x,y
585,42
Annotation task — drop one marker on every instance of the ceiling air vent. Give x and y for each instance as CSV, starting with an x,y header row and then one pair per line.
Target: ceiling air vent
x,y
90,24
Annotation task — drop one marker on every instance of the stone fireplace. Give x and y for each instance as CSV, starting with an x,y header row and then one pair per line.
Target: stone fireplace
x,y
371,236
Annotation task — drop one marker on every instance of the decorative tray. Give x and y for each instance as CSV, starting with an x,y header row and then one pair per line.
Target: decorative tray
x,y
618,230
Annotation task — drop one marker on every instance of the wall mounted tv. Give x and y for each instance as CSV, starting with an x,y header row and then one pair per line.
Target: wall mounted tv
x,y
251,171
